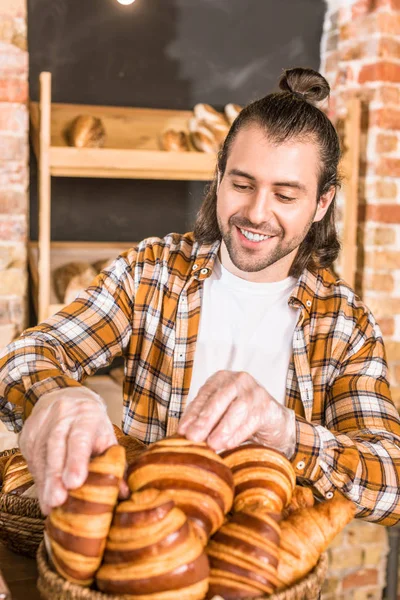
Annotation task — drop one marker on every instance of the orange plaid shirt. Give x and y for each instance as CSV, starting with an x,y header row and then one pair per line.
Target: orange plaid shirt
x,y
146,308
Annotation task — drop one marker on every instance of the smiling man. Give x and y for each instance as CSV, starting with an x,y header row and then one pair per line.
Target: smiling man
x,y
236,332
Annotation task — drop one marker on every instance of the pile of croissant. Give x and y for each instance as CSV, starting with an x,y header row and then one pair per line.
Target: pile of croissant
x,y
207,130
196,525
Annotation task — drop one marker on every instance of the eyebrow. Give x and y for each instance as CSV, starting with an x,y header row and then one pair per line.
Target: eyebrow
x,y
292,184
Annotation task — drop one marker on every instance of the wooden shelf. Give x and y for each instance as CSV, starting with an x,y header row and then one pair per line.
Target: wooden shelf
x,y
131,149
65,252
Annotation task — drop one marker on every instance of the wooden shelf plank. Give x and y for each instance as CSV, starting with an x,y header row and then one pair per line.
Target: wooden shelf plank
x,y
64,252
132,147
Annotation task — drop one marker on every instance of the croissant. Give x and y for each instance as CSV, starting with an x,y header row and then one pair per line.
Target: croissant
x,y
205,112
71,278
153,552
264,478
232,111
194,476
244,556
175,141
86,131
302,498
78,529
16,477
307,533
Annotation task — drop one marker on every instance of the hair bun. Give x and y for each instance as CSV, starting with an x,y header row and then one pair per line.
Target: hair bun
x,y
306,82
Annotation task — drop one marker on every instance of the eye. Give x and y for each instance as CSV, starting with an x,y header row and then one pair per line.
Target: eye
x,y
241,187
285,198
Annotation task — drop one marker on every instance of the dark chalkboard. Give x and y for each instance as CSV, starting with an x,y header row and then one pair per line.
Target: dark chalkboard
x,y
163,54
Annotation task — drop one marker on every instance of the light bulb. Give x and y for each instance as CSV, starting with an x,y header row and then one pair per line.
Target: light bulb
x,y
126,2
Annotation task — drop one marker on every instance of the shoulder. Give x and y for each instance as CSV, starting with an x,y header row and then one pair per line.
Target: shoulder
x,y
173,254
337,298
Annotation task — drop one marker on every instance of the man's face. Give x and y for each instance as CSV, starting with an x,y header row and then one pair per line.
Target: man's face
x,y
266,204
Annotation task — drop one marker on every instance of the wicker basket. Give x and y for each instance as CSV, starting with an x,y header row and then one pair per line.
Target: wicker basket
x,y
21,521
51,586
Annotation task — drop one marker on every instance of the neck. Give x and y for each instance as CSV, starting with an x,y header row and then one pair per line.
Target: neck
x,y
276,272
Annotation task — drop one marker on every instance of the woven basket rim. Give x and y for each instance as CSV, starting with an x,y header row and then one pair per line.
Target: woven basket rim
x,y
50,581
14,504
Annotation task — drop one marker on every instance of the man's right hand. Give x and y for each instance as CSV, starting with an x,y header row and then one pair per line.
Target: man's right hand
x,y
66,427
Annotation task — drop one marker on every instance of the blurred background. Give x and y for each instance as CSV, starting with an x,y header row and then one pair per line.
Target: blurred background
x,y
175,54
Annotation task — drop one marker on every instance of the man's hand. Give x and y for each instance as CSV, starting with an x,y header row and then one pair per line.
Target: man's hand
x,y
231,408
66,427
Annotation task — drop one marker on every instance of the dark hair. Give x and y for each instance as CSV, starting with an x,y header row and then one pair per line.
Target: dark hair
x,y
290,113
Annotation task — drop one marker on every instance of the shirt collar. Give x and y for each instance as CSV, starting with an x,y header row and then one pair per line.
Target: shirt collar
x,y
304,293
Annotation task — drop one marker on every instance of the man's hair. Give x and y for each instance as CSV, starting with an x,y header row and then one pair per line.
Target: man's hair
x,y
290,114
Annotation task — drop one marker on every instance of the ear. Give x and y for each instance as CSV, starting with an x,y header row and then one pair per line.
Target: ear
x,y
324,203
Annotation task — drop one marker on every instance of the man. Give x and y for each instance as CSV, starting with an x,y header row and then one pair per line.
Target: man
x,y
237,332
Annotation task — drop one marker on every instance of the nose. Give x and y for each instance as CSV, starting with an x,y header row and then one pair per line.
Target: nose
x,y
260,208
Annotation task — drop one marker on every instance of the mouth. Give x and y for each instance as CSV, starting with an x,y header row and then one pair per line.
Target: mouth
x,y
252,237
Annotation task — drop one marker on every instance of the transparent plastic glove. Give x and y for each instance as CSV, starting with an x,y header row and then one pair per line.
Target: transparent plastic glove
x,y
232,408
66,427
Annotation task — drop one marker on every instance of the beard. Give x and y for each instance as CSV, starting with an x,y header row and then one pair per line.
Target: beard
x,y
250,260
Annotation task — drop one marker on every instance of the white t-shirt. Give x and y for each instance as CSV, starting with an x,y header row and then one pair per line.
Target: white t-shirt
x,y
245,326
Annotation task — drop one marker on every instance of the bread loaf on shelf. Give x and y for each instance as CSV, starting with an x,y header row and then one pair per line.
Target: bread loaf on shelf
x,y
153,552
306,533
78,529
86,131
205,112
231,112
99,265
16,477
72,278
264,478
175,141
192,475
203,139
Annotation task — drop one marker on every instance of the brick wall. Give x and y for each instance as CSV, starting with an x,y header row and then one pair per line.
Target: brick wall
x,y
13,168
360,53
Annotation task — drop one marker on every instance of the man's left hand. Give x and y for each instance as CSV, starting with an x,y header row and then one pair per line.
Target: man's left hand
x,y
232,408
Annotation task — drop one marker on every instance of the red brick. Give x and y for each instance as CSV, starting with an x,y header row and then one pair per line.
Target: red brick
x,y
383,213
379,282
380,71
386,143
13,117
13,229
388,167
385,189
387,326
360,578
380,236
13,148
383,260
389,95
392,4
385,118
13,90
361,7
13,173
13,202
370,23
12,310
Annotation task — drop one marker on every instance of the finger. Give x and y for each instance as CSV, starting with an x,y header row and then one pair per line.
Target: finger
x,y
80,444
236,426
55,492
212,412
38,470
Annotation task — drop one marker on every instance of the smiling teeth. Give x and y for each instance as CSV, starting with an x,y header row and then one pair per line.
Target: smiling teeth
x,y
254,237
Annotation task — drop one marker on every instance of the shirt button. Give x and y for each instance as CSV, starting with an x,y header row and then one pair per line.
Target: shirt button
x,y
300,465
309,303
204,271
329,495
194,267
